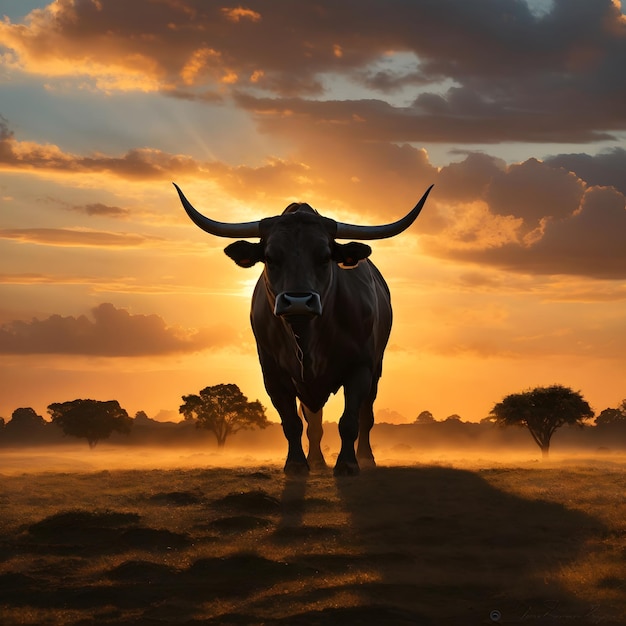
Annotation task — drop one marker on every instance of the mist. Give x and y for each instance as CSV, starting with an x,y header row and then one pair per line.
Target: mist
x,y
77,458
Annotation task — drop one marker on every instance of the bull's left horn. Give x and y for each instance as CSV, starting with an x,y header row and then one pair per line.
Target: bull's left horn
x,y
354,231
221,229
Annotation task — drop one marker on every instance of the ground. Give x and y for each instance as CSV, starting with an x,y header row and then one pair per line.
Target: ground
x,y
445,542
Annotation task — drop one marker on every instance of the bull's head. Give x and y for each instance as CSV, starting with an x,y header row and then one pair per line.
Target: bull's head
x,y
299,249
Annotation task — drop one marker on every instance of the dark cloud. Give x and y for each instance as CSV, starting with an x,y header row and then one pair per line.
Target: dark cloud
x,y
194,96
590,242
469,180
378,120
534,192
104,210
605,169
5,132
109,332
515,76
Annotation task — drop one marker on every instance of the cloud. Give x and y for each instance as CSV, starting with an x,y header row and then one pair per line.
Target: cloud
x,y
606,169
589,242
76,238
534,192
110,332
102,210
121,284
136,164
144,165
511,75
527,217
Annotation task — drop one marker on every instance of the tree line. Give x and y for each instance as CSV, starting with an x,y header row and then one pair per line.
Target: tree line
x,y
223,410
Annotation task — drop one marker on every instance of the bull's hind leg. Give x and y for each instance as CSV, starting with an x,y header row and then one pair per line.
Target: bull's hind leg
x,y
314,432
364,452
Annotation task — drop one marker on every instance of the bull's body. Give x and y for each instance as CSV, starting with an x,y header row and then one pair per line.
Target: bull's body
x,y
310,359
321,315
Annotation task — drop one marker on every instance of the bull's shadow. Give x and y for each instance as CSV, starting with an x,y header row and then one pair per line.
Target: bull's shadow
x,y
434,545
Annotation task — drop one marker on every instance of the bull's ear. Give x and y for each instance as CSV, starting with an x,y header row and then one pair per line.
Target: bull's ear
x,y
244,253
349,254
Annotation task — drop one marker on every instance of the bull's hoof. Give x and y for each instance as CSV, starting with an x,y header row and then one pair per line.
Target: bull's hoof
x,y
296,468
344,468
367,462
317,464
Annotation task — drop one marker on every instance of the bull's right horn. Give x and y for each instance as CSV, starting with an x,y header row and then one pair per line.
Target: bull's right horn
x,y
355,231
221,229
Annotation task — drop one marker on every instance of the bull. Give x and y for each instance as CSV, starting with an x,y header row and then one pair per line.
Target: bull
x,y
321,316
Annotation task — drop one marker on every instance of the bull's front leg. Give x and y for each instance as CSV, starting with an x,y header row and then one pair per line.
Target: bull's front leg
x,y
296,463
285,404
283,396
355,390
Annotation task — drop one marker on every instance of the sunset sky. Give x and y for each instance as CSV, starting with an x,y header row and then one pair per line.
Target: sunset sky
x,y
514,275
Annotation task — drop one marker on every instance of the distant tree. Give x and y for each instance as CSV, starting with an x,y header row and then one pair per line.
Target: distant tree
x,y
25,421
453,418
389,416
425,417
92,420
224,411
612,417
542,410
141,419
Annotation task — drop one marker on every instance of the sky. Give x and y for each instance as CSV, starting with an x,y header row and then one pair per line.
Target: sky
x,y
513,276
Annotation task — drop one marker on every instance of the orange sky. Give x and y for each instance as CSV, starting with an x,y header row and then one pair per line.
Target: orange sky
x,y
513,276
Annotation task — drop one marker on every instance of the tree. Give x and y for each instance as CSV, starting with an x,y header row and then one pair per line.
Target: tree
x,y
25,426
92,420
542,410
224,411
25,420
490,420
425,417
613,417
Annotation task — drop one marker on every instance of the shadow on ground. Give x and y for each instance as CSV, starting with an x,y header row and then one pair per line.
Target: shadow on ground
x,y
401,545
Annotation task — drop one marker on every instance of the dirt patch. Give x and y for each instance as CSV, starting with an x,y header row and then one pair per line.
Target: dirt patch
x,y
257,501
177,498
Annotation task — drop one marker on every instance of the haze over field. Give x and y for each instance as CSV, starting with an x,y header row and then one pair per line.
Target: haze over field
x,y
513,276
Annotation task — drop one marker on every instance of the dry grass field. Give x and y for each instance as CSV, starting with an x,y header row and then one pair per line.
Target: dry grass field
x,y
451,542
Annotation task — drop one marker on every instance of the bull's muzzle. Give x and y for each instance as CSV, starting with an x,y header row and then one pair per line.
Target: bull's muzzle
x,y
290,303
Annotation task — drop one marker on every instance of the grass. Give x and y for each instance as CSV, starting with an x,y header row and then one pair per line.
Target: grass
x,y
456,543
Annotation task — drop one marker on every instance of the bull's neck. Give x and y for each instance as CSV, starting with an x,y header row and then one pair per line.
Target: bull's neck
x,y
306,337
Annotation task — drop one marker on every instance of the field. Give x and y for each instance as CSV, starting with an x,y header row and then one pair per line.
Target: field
x,y
207,540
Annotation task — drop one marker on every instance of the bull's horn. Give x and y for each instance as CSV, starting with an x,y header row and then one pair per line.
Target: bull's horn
x,y
354,231
221,229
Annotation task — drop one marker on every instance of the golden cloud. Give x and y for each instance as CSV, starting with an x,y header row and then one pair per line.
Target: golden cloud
x,y
110,332
235,15
76,238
